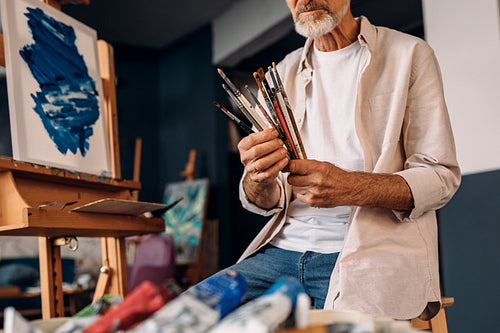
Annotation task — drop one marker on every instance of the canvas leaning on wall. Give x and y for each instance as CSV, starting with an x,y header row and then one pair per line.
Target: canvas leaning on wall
x,y
185,220
56,103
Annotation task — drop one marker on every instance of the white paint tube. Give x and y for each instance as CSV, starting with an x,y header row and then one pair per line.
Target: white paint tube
x,y
14,322
302,316
264,313
198,308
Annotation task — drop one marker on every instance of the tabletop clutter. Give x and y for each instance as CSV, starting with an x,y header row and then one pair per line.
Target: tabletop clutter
x,y
215,305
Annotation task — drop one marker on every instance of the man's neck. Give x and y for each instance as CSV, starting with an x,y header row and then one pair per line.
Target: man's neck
x,y
344,34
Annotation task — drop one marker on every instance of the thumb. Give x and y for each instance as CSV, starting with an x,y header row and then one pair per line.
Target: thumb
x,y
298,167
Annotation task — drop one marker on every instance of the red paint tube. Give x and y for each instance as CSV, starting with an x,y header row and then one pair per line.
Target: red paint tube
x,y
141,303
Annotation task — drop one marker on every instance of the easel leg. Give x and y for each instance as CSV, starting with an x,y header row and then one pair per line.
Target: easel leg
x,y
438,323
118,265
113,280
50,279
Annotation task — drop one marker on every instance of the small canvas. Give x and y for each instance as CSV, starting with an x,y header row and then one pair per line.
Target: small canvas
x,y
184,221
55,90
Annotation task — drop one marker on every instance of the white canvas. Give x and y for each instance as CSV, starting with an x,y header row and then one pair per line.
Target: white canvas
x,y
74,136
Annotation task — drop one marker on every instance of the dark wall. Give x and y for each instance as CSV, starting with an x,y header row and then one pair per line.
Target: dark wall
x,y
5,143
137,102
469,230
187,119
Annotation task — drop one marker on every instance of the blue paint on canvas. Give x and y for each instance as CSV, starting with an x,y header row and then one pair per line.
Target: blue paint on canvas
x,y
67,102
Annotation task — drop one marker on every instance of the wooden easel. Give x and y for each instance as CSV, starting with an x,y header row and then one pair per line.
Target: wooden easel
x,y
188,171
24,210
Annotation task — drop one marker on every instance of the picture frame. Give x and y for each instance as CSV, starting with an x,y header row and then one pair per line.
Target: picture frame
x,y
55,92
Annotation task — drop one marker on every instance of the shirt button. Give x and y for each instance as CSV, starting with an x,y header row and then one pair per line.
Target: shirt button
x,y
299,121
305,79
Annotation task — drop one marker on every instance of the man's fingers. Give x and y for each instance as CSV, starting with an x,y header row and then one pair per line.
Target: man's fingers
x,y
257,138
270,173
266,162
258,151
298,180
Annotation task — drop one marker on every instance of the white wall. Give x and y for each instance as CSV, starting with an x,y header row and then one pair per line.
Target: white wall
x,y
466,38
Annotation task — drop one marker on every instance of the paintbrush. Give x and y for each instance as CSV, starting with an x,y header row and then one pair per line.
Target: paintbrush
x,y
235,119
242,108
265,84
274,121
287,115
289,140
301,151
260,107
268,101
243,100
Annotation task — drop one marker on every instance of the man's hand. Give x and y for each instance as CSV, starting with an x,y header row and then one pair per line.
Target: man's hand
x,y
322,184
318,184
263,156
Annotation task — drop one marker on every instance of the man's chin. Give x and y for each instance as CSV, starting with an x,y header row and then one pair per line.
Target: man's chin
x,y
314,29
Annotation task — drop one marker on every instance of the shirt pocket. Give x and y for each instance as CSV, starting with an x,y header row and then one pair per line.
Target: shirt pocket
x,y
387,113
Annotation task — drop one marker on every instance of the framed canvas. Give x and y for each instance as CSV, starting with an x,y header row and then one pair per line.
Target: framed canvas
x,y
184,221
55,92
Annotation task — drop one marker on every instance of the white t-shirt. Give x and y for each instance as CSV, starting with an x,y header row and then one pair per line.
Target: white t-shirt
x,y
328,134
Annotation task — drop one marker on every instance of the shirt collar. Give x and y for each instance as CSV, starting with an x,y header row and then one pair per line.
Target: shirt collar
x,y
367,36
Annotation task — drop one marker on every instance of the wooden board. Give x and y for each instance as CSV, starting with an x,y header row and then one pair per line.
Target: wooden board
x,y
121,207
51,224
107,67
2,52
57,175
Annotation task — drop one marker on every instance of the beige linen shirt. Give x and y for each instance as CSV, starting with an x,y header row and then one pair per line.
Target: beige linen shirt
x,y
389,261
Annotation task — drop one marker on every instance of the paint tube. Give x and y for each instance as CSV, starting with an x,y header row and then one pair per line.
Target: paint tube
x,y
141,303
77,324
14,322
301,315
264,313
100,306
198,308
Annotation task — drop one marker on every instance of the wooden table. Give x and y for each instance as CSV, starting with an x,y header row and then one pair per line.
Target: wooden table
x,y
71,293
37,201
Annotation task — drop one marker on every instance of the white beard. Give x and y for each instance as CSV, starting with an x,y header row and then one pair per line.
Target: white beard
x,y
311,27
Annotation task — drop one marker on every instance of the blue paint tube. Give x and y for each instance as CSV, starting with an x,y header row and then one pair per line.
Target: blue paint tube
x,y
264,313
198,308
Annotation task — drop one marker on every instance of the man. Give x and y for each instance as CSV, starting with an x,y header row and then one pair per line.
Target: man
x,y
355,222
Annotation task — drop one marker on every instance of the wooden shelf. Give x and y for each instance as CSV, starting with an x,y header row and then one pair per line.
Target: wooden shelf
x,y
36,201
35,171
82,224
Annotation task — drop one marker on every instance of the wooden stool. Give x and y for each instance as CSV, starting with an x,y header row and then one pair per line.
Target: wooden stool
x,y
436,324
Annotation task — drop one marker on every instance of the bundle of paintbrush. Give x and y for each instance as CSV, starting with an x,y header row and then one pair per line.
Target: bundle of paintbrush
x,y
278,114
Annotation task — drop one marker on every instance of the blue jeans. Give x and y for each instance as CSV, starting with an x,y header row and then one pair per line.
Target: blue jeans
x,y
270,263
